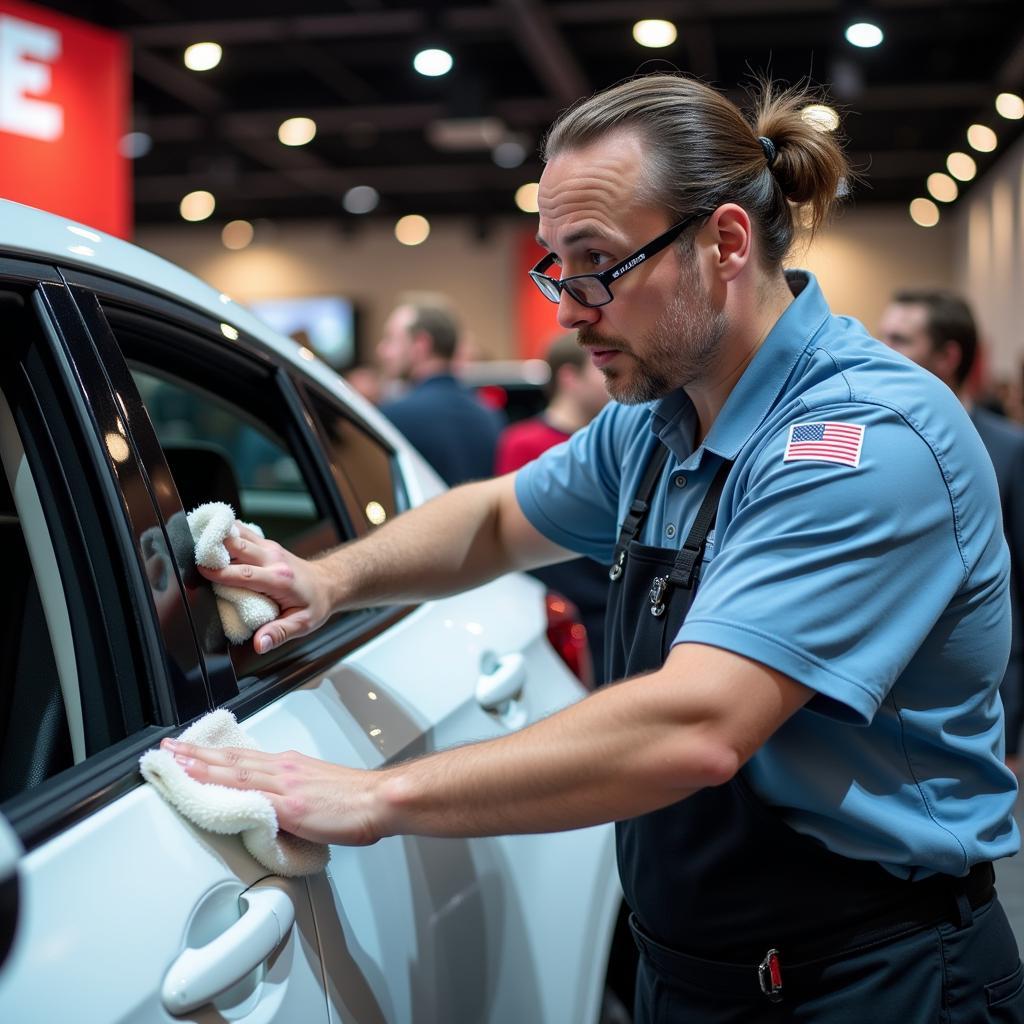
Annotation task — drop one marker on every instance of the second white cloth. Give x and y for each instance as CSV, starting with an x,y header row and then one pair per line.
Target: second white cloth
x,y
241,611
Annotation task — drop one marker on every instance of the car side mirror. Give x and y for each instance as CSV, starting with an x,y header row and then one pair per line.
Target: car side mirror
x,y
10,855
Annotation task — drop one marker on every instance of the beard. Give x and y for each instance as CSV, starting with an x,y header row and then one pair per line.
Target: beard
x,y
677,351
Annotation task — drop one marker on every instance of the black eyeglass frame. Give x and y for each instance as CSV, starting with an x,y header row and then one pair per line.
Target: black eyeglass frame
x,y
552,287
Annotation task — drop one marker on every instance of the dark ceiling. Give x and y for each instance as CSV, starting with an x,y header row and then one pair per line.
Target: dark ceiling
x,y
347,64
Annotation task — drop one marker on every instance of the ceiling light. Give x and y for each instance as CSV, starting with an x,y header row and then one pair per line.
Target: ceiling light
x,y
864,34
433,63
237,234
981,138
526,197
654,32
361,199
924,213
508,153
297,131
942,187
197,205
961,166
135,145
412,229
819,116
202,56
1010,106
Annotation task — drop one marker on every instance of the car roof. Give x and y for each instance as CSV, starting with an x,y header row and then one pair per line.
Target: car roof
x,y
26,231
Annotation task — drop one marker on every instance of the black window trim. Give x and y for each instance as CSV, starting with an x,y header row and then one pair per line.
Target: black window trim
x,y
348,630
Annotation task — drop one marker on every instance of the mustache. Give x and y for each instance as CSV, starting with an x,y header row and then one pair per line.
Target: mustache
x,y
590,339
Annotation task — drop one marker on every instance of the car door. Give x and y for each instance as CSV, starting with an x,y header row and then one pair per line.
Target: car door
x,y
411,929
124,912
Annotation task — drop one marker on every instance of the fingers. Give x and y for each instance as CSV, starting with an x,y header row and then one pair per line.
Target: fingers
x,y
246,533
228,766
294,623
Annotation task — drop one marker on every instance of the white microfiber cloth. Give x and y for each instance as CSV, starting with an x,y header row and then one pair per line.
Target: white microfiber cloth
x,y
231,811
242,611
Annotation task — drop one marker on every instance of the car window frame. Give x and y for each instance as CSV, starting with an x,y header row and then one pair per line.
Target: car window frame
x,y
122,621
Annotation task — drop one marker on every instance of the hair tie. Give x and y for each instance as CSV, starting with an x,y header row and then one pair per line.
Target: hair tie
x,y
770,152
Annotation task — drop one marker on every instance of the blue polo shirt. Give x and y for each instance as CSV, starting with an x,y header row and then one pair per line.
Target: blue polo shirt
x,y
859,550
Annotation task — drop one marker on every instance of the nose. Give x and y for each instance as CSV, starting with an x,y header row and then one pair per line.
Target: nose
x,y
572,315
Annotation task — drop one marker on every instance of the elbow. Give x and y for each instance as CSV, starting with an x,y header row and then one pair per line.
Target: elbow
x,y
711,762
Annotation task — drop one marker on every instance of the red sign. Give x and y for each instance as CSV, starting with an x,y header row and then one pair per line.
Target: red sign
x,y
63,112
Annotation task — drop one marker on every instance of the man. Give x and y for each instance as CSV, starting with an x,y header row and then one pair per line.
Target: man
x,y
576,394
936,329
808,605
442,419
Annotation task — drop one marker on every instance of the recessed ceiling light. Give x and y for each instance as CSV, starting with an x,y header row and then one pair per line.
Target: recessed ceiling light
x,y
433,62
361,199
654,32
1010,106
982,138
962,166
237,234
924,213
864,34
820,116
197,205
297,131
202,56
412,229
942,187
526,197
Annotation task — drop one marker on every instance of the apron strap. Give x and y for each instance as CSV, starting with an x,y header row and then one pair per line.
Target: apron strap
x,y
692,551
641,503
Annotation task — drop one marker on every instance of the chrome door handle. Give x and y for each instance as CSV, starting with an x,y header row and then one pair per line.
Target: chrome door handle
x,y
199,975
501,680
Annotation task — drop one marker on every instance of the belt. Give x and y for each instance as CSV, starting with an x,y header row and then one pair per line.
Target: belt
x,y
934,900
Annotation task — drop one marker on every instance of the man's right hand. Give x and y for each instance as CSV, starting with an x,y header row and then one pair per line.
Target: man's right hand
x,y
300,589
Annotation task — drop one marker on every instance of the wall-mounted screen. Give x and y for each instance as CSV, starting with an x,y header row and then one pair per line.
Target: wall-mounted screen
x,y
326,323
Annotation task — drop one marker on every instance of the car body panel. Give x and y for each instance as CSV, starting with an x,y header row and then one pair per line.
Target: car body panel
x,y
411,929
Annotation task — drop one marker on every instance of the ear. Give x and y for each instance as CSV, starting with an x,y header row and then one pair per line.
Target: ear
x,y
729,235
947,359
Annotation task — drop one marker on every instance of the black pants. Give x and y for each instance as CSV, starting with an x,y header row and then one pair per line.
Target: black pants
x,y
950,973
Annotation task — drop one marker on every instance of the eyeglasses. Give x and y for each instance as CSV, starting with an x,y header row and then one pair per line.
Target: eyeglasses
x,y
595,289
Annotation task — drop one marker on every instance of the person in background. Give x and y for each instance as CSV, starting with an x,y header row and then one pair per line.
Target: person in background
x,y
366,381
576,394
439,416
936,329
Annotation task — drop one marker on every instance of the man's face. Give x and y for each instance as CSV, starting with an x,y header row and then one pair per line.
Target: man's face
x,y
395,348
904,328
661,330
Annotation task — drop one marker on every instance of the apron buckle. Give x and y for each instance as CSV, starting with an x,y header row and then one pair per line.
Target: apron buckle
x,y
769,975
616,570
658,588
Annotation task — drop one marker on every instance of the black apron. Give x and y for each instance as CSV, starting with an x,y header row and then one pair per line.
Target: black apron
x,y
720,875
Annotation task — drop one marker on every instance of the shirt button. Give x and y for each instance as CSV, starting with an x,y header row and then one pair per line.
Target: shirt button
x,y
680,480
670,530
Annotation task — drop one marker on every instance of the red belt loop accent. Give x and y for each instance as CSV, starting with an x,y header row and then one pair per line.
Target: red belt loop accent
x,y
769,975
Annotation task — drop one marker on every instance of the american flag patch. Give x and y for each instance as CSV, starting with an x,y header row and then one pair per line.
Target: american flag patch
x,y
825,442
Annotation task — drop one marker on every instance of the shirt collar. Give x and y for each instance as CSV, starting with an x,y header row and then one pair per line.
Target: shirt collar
x,y
673,418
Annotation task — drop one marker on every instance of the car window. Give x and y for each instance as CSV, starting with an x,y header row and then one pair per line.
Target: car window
x,y
365,465
63,683
259,477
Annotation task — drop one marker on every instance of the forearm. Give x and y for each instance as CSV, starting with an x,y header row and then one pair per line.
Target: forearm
x,y
459,540
626,750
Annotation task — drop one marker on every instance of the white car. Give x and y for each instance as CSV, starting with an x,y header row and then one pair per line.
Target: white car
x,y
130,392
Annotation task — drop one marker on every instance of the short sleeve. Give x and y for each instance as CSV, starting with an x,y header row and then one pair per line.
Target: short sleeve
x,y
571,492
830,573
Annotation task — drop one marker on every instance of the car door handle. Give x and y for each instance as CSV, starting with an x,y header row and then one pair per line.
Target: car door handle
x,y
501,680
199,975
